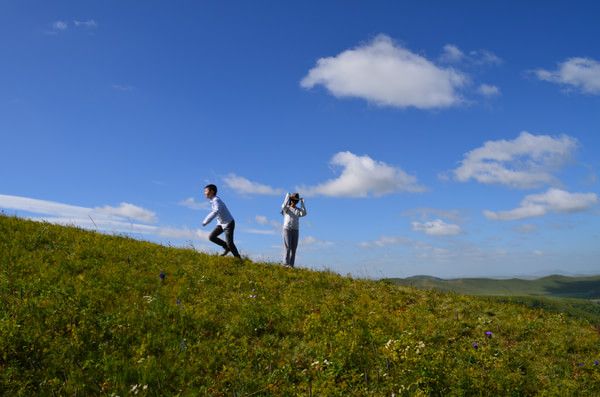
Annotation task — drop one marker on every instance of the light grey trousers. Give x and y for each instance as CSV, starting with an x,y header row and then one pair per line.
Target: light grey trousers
x,y
290,241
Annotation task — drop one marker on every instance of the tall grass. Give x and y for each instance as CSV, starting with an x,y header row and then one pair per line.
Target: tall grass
x,y
83,313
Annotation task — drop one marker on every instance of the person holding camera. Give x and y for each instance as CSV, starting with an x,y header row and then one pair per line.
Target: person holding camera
x,y
291,225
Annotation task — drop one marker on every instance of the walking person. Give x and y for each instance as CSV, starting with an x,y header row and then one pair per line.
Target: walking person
x,y
225,222
291,225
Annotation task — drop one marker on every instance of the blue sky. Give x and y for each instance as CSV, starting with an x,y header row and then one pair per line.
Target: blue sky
x,y
448,140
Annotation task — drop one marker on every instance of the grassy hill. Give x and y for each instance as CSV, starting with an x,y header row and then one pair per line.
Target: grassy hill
x,y
575,296
556,286
83,313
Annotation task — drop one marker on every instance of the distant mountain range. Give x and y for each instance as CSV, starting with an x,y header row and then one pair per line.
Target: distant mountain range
x,y
553,286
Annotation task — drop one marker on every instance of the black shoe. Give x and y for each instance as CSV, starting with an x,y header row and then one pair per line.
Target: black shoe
x,y
225,252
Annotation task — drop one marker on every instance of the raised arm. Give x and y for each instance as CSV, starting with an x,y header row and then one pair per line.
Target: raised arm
x,y
285,202
303,211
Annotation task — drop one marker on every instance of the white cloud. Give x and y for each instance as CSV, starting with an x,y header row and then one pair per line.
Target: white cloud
x,y
274,226
488,90
182,233
387,240
525,162
437,228
194,204
426,213
89,24
580,73
107,219
260,231
553,200
485,57
130,211
313,241
60,25
526,228
452,54
245,186
387,74
362,176
261,220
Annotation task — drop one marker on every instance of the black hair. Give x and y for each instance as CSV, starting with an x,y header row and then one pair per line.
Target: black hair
x,y
211,187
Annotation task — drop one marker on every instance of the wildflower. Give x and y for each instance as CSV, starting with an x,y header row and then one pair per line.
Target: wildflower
x,y
162,276
148,298
475,345
252,296
488,334
596,362
580,364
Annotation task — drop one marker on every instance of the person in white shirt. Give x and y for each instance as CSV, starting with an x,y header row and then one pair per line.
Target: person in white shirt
x,y
291,225
225,222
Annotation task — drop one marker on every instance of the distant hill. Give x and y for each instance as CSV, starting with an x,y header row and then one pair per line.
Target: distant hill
x,y
87,314
555,286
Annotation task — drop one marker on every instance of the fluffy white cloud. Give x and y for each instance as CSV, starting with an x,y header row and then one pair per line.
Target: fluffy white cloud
x,y
126,210
274,226
194,204
437,228
488,90
314,242
580,73
525,162
387,74
452,54
245,186
107,219
362,176
553,200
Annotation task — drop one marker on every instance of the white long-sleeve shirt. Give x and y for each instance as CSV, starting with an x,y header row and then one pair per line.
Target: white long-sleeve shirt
x,y
291,215
220,211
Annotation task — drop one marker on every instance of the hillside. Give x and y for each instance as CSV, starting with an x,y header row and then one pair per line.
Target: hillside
x,y
556,286
83,313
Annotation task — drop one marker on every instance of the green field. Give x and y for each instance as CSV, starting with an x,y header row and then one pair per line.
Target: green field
x,y
83,313
555,286
577,297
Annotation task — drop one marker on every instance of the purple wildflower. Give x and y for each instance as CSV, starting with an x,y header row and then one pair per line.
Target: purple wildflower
x,y
596,362
488,334
162,276
475,345
580,364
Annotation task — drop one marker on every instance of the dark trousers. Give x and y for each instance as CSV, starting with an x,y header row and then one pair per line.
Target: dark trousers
x,y
229,245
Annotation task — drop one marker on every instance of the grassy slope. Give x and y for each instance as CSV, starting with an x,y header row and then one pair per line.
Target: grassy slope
x,y
557,286
86,314
575,296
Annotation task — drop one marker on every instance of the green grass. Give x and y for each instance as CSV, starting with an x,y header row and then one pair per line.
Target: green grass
x,y
554,286
577,297
83,314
